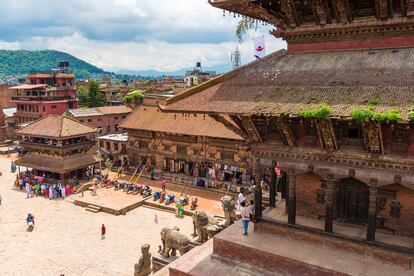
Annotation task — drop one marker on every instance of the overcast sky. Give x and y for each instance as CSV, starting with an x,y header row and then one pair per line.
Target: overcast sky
x,y
164,35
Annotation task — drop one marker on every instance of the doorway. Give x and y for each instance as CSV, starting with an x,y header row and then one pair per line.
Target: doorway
x,y
352,201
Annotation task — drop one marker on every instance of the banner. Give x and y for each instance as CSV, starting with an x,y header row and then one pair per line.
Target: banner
x,y
259,47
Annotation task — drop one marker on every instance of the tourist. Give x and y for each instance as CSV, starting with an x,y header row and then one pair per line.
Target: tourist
x,y
47,191
21,184
42,189
67,190
50,192
103,231
63,191
240,199
163,184
28,190
245,212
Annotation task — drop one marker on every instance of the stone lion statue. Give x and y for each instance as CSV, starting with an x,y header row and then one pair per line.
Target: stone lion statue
x,y
229,209
200,223
143,267
173,240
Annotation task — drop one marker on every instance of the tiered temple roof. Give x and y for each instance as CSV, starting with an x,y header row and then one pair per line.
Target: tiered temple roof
x,y
55,126
288,83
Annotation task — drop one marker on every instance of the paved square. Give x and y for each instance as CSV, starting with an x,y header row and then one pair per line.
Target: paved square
x,y
66,239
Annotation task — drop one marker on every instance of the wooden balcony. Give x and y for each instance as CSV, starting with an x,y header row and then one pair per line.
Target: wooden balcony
x,y
32,146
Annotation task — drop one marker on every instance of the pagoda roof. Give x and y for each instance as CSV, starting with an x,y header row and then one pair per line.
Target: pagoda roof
x,y
150,118
55,126
288,83
57,165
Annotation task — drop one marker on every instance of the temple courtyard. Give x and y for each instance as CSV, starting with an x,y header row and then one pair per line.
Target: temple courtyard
x,y
66,239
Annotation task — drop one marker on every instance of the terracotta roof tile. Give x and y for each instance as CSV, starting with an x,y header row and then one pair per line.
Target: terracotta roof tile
x,y
114,109
291,82
150,118
55,126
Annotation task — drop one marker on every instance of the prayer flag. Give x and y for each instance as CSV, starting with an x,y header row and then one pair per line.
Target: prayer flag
x,y
259,47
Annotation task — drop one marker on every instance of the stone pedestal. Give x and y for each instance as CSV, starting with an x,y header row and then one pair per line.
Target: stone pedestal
x,y
159,261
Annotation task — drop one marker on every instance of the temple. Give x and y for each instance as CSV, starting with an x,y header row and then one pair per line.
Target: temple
x,y
58,147
334,113
193,145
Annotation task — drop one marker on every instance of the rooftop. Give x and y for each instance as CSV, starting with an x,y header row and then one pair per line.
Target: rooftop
x,y
55,126
28,86
150,118
288,83
9,112
97,111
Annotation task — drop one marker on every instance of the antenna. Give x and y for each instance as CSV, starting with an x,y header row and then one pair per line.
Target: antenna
x,y
236,58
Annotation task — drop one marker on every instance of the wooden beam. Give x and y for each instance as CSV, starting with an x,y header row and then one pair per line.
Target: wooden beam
x,y
286,131
289,9
342,11
230,126
250,127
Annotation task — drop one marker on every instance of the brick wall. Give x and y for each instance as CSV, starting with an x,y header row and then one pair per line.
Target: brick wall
x,y
5,96
306,186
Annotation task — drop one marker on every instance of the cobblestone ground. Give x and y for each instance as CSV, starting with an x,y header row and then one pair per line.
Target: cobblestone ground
x,y
66,239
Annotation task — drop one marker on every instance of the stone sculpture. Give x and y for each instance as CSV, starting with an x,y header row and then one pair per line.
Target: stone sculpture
x,y
143,267
229,209
206,226
173,240
200,223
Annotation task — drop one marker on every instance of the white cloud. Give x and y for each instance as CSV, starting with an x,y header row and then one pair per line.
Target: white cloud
x,y
164,35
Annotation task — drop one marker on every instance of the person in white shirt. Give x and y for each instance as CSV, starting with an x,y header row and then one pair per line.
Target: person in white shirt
x,y
240,199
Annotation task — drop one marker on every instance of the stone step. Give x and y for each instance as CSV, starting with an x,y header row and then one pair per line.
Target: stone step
x,y
93,208
285,256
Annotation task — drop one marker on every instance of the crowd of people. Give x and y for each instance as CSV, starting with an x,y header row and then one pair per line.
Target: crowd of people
x,y
38,187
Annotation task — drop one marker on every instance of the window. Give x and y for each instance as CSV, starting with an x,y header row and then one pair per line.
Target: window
x,y
353,133
108,145
227,155
54,106
116,146
99,119
89,120
108,129
182,149
123,117
116,118
81,121
116,127
44,108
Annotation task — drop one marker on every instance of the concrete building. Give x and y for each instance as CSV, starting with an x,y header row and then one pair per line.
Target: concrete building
x,y
106,118
46,94
114,146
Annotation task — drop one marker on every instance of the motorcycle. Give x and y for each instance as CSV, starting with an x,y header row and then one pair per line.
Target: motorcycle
x,y
162,196
170,199
146,192
156,196
183,201
194,203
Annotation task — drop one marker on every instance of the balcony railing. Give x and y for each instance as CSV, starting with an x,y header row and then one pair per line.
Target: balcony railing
x,y
28,144
42,98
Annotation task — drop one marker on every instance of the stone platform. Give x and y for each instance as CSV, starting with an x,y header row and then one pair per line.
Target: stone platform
x,y
263,253
109,201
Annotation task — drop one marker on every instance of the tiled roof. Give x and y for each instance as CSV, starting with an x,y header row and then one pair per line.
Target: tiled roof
x,y
150,118
55,126
83,112
58,165
120,109
292,82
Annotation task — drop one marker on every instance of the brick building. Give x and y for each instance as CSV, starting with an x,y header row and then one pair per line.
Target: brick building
x,y
114,146
334,113
179,144
45,94
6,95
106,118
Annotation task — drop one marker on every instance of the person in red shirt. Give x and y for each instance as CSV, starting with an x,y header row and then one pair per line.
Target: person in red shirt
x,y
103,231
163,184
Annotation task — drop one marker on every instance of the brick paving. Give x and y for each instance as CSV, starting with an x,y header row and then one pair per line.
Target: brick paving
x,y
66,239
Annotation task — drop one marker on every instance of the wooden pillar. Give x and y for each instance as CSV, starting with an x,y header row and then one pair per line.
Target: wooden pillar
x,y
372,213
258,189
329,200
291,196
272,189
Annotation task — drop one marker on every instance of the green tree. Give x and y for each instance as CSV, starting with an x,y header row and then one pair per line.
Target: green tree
x,y
244,25
91,96
96,97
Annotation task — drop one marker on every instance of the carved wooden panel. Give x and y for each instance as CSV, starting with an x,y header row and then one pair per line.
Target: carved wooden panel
x,y
286,131
326,134
372,134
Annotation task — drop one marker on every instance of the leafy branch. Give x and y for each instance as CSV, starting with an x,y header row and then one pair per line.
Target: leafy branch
x,y
244,25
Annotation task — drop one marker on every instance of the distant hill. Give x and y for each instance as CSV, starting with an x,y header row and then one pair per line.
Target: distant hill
x,y
18,63
154,74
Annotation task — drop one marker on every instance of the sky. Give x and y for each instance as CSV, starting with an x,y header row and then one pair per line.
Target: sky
x,y
162,35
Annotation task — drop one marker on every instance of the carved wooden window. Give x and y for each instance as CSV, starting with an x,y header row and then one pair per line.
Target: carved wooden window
x,y
182,149
400,140
143,144
311,134
349,135
227,155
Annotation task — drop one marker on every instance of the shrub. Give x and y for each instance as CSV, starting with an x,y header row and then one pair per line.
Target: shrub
x,y
390,116
411,116
320,112
362,114
128,99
